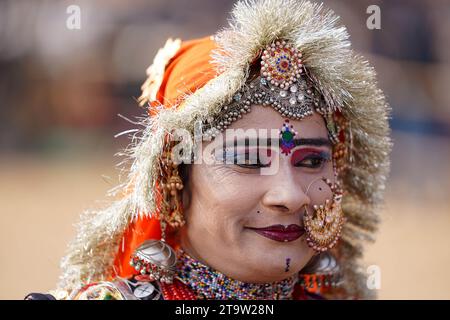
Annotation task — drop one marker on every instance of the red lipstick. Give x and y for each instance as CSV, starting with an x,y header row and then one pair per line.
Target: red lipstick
x,y
280,233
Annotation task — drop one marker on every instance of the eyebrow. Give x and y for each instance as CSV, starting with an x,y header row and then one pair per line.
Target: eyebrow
x,y
318,142
312,142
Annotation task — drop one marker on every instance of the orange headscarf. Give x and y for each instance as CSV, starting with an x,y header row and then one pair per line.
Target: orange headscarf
x,y
189,70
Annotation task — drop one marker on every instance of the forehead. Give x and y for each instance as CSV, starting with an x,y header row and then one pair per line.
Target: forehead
x,y
261,117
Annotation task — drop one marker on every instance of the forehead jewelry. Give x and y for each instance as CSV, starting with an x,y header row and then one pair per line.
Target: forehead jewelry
x,y
282,83
287,135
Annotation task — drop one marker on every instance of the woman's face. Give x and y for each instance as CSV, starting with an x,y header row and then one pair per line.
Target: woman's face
x,y
235,211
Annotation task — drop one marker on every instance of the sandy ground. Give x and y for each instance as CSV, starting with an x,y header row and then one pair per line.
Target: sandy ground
x,y
41,199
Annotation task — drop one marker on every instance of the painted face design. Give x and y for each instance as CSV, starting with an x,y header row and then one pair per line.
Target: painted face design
x,y
287,135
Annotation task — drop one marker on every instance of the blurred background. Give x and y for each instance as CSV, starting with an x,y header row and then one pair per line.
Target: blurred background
x,y
61,91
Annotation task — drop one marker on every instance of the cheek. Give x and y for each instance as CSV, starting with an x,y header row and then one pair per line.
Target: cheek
x,y
314,186
221,200
223,187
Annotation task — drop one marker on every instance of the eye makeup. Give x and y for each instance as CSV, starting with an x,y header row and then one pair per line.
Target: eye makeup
x,y
251,157
309,157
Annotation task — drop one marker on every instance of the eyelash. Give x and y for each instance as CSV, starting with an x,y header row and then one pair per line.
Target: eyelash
x,y
236,161
320,157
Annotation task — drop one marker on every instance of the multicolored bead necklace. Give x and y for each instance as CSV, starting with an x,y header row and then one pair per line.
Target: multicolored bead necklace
x,y
208,283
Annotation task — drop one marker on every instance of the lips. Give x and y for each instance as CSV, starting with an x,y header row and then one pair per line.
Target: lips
x,y
281,233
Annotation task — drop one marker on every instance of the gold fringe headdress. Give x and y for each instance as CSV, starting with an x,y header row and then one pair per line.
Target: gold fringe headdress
x,y
347,84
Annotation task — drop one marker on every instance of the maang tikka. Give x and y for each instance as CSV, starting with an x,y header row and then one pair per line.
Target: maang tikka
x,y
323,227
282,82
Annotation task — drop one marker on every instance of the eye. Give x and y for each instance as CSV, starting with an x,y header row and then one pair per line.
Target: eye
x,y
250,161
247,163
313,160
246,159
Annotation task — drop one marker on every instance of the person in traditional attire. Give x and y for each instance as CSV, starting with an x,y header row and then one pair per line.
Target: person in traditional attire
x,y
255,174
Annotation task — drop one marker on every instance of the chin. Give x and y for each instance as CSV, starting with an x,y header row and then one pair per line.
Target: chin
x,y
296,250
272,274
273,269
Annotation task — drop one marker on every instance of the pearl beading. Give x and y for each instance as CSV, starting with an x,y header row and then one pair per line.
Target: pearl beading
x,y
282,83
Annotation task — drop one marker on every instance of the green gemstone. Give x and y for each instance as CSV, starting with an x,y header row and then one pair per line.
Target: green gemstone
x,y
287,136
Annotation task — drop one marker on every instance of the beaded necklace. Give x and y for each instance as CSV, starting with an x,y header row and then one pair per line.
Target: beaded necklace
x,y
208,283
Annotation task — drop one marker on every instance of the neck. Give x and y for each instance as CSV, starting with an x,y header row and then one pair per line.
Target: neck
x,y
212,284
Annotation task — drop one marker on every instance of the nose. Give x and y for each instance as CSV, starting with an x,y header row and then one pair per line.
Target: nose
x,y
285,193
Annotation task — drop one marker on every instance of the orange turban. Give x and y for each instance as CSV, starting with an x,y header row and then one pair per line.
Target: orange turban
x,y
188,70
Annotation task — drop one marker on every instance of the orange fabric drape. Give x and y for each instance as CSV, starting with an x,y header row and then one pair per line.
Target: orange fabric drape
x,y
189,70
137,232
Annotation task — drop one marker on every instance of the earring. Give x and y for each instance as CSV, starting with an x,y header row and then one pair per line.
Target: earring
x,y
155,258
171,185
323,228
